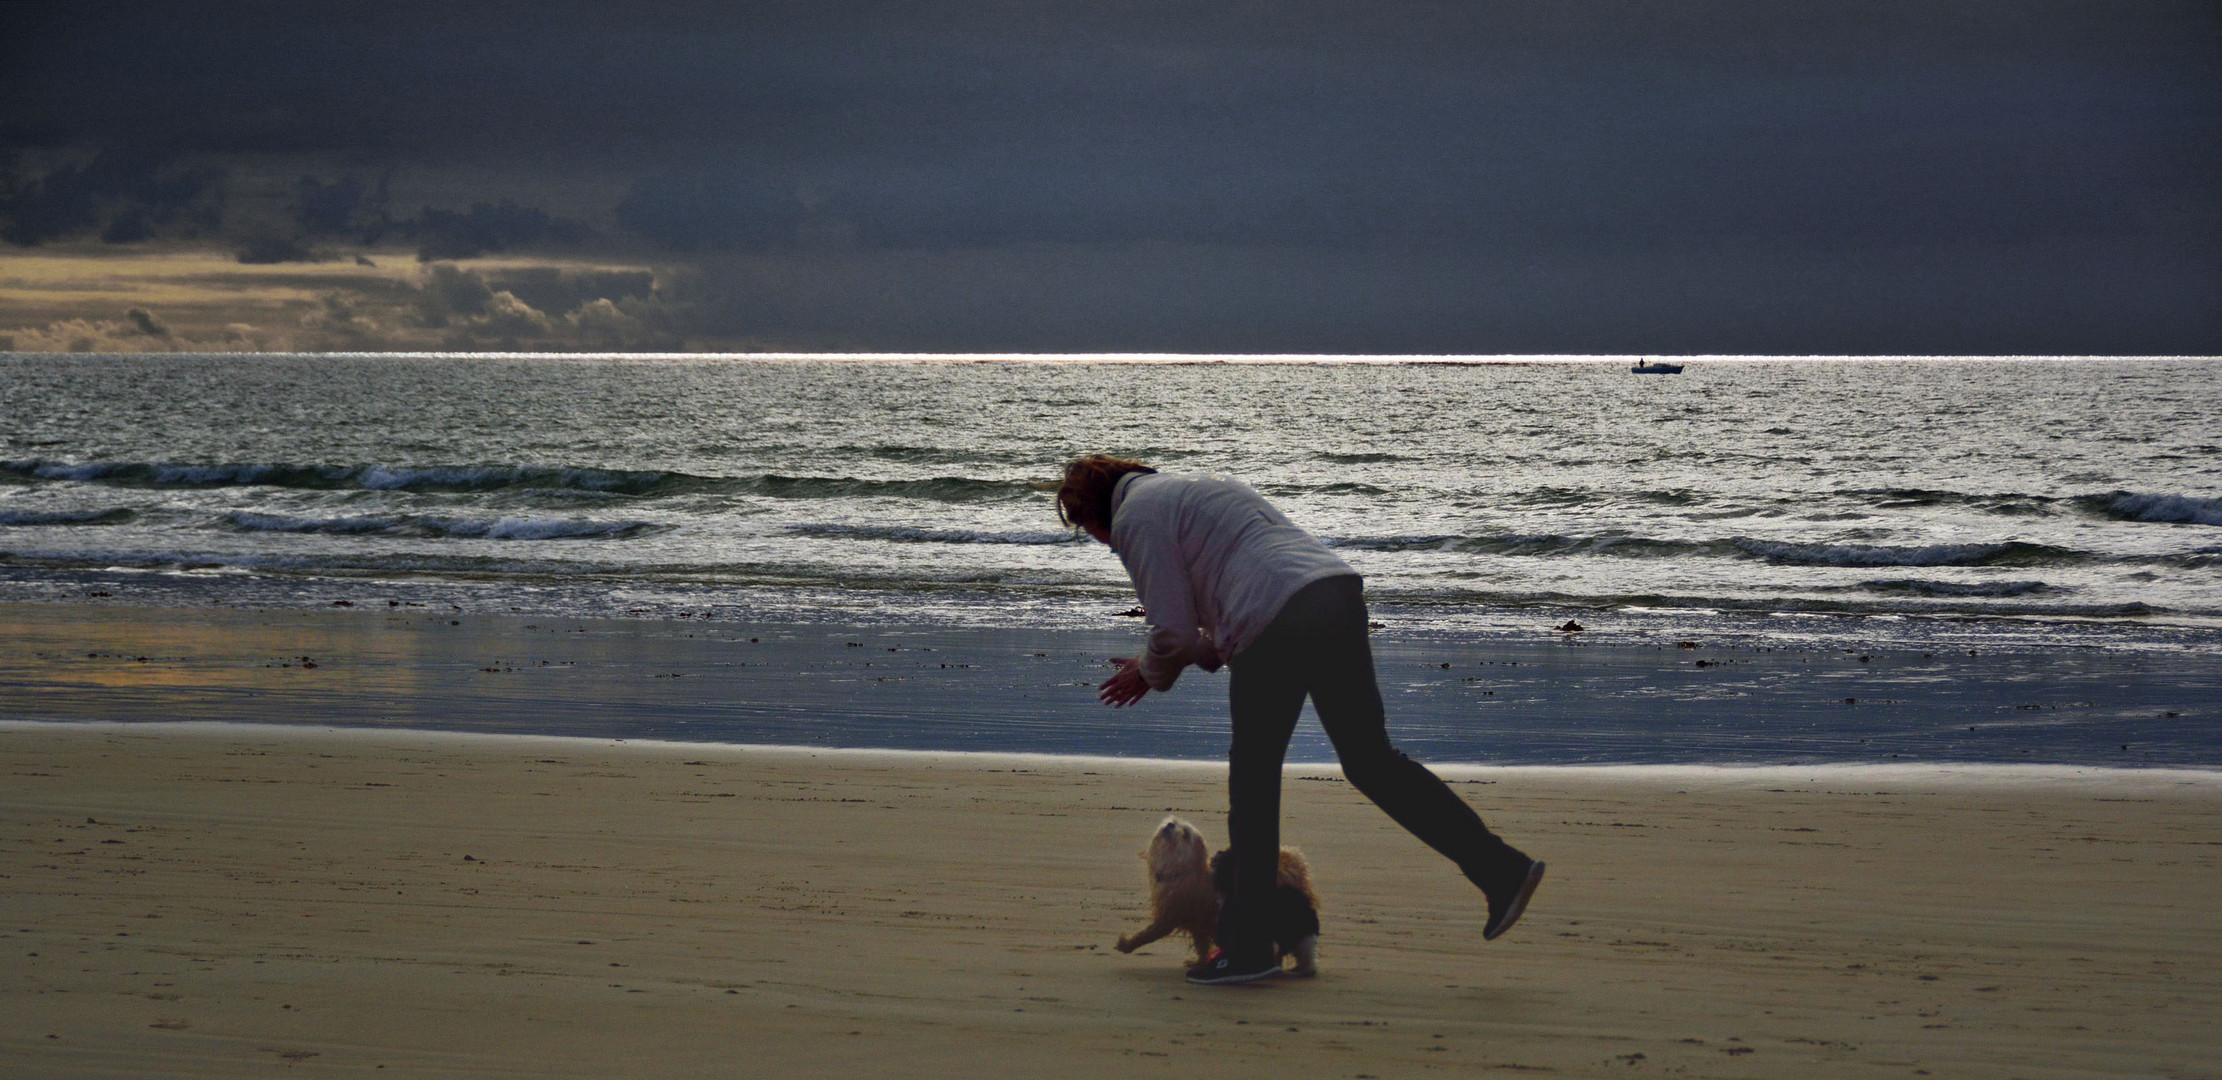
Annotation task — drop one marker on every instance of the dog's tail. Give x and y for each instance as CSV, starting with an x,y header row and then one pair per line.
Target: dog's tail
x,y
1296,874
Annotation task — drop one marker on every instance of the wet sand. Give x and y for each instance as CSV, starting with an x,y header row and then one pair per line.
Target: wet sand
x,y
210,900
1596,698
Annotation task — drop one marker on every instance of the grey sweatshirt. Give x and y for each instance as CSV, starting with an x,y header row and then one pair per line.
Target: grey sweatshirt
x,y
1212,562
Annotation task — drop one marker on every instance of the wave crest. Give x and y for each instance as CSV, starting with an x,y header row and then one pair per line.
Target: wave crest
x,y
911,534
459,478
950,489
506,528
111,516
2143,506
2002,503
1923,587
2007,552
1520,544
485,478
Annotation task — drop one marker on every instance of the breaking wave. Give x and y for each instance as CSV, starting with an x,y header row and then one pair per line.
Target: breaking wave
x,y
111,516
2139,506
952,489
485,478
2011,552
329,477
1362,458
1522,544
507,528
2005,503
1921,587
906,534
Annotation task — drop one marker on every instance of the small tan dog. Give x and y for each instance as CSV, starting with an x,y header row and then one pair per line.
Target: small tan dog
x,y
1185,897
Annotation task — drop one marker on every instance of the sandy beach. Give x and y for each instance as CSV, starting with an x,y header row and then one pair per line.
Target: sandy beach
x,y
597,541
226,900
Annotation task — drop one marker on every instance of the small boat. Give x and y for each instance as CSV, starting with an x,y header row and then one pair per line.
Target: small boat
x,y
1656,367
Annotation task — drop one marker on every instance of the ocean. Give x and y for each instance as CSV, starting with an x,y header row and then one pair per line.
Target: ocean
x,y
1916,506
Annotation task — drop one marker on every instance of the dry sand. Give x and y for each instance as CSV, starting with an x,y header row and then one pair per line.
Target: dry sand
x,y
203,900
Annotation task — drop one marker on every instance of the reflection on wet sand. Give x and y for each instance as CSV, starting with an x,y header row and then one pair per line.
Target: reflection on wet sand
x,y
1561,699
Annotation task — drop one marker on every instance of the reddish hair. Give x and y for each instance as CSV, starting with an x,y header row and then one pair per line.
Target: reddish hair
x,y
1084,498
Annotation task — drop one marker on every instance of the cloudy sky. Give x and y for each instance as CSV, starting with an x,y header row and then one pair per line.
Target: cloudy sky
x,y
1380,177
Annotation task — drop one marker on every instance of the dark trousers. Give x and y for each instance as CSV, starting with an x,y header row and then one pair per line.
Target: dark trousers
x,y
1317,647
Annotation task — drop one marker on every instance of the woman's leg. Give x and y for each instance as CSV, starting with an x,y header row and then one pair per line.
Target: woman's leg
x,y
1348,698
1265,694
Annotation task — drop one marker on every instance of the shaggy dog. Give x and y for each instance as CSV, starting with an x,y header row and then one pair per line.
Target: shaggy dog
x,y
1187,886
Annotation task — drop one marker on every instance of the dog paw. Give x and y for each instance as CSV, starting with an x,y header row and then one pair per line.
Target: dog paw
x,y
1125,945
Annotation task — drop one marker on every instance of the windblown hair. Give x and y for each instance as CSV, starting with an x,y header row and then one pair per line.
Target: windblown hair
x,y
1084,498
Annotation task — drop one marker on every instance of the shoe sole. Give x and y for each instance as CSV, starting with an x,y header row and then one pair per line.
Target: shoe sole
x,y
1519,903
1238,977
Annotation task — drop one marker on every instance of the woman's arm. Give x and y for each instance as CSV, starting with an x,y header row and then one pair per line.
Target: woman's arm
x,y
1125,686
1153,560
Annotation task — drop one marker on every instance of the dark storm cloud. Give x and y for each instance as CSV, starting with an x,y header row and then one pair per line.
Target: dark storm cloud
x,y
1569,176
489,227
1522,137
132,190
337,206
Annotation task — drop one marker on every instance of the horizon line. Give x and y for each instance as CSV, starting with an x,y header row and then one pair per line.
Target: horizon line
x,y
1435,359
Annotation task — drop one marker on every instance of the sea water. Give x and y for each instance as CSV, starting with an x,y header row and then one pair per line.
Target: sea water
x,y
1770,560
2051,501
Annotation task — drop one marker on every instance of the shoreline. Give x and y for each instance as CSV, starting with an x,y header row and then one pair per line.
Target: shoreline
x,y
1932,775
264,900
155,581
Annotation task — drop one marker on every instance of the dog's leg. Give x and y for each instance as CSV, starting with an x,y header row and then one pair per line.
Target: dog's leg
x,y
1307,955
1148,934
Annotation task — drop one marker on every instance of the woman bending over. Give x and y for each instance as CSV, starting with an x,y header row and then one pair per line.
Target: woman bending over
x,y
1225,577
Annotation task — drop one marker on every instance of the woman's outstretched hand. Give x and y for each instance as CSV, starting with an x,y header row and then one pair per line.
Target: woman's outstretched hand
x,y
1124,687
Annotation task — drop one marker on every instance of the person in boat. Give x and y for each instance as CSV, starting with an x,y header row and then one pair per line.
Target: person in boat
x,y
1226,578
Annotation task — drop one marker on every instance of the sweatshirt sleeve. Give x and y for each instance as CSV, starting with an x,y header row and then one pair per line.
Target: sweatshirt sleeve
x,y
1161,582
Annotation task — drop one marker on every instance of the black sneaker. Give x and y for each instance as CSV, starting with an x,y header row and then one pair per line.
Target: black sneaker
x,y
1505,910
1220,968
